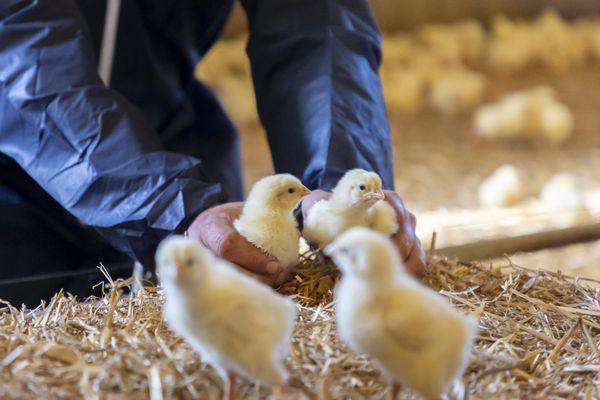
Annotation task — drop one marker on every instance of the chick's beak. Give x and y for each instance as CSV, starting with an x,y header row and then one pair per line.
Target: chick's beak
x,y
304,191
375,195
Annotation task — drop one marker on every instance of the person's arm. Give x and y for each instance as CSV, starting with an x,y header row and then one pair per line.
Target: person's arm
x,y
84,143
315,69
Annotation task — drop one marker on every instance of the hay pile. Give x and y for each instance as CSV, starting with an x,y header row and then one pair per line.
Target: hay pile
x,y
539,339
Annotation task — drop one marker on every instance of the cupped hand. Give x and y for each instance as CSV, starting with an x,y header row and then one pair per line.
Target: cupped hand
x,y
405,239
214,229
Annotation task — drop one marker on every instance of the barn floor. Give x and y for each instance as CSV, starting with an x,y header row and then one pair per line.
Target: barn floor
x,y
538,339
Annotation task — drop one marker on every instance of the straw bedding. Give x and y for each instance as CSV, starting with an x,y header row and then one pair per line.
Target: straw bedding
x,y
539,339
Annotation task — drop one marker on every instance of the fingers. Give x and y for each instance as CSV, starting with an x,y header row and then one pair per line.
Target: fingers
x,y
214,229
238,250
406,239
415,263
274,280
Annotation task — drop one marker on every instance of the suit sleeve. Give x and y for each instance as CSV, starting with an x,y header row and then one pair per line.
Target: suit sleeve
x,y
86,145
315,70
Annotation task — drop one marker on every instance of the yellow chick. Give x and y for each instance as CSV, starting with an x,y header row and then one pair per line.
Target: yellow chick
x,y
473,38
533,112
558,45
382,218
562,193
556,122
397,49
429,65
404,89
456,91
412,334
237,324
511,45
455,43
500,120
351,204
590,31
546,115
443,42
502,188
267,219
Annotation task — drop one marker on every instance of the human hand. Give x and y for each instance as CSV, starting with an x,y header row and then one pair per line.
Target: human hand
x,y
405,238
214,229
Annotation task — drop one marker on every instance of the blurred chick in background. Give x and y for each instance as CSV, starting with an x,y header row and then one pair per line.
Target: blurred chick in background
x,y
563,193
412,334
526,113
503,188
456,90
267,219
237,325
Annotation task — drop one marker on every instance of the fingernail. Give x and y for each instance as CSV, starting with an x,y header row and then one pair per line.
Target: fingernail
x,y
273,267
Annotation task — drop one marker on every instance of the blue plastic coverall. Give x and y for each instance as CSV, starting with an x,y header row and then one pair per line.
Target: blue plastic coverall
x,y
140,159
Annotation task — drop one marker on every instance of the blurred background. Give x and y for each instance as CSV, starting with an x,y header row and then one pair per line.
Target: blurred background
x,y
494,111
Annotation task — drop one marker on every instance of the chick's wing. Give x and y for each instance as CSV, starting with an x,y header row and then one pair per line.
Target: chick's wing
x,y
255,310
410,319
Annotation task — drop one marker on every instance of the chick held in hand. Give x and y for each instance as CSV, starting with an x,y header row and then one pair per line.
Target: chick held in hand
x,y
237,324
412,333
267,219
356,200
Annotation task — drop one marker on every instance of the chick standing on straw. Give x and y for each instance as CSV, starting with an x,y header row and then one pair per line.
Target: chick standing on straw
x,y
412,333
237,324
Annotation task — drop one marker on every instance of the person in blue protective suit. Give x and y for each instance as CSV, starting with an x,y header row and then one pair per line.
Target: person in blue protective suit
x,y
90,171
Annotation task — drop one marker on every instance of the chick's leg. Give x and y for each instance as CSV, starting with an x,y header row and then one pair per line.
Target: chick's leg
x,y
277,392
396,388
229,390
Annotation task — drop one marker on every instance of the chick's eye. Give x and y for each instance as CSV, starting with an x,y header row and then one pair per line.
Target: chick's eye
x,y
291,190
362,187
189,262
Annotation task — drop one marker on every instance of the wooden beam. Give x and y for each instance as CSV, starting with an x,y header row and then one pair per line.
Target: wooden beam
x,y
493,248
